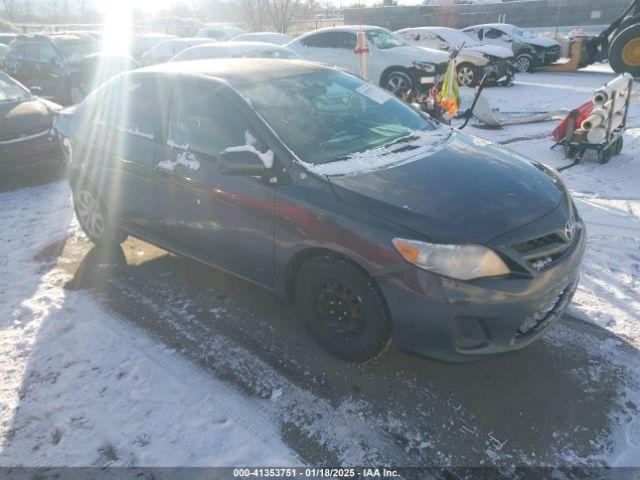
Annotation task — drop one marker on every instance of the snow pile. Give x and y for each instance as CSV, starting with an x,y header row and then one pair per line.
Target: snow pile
x,y
79,387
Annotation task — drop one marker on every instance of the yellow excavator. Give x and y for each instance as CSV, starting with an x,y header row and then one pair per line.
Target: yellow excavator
x,y
619,43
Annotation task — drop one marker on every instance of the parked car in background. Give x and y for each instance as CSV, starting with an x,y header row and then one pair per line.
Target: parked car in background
x,y
26,135
324,188
220,31
143,42
44,63
63,67
266,37
164,51
530,51
474,60
393,63
91,71
233,49
7,38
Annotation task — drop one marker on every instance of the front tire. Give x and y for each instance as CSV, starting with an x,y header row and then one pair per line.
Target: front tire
x,y
94,220
467,74
523,63
75,94
624,53
342,309
397,82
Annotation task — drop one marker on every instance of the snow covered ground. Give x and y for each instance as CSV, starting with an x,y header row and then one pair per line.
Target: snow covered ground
x,y
79,385
607,196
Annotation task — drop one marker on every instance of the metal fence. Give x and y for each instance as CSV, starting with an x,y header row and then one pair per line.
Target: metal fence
x,y
524,13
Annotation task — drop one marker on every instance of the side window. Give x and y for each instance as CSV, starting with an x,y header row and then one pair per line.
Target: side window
x,y
48,53
494,33
205,121
480,33
131,103
346,40
321,40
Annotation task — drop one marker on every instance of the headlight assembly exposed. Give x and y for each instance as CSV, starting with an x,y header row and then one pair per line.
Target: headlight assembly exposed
x,y
464,262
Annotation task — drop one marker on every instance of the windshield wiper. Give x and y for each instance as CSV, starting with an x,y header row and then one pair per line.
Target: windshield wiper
x,y
407,138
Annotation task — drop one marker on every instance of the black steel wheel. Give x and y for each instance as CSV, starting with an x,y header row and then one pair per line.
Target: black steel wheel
x,y
342,309
617,145
604,155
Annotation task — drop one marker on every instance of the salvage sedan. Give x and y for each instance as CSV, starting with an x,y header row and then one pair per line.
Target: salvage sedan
x,y
326,189
26,135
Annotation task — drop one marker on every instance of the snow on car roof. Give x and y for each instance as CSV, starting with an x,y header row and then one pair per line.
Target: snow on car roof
x,y
230,48
239,71
450,35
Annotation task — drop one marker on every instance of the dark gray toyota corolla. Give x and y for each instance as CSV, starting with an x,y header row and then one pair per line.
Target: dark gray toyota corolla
x,y
309,181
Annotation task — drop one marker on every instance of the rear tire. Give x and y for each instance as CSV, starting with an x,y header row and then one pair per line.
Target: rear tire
x,y
94,220
342,309
624,53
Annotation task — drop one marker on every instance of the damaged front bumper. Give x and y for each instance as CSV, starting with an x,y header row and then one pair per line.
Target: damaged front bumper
x,y
461,321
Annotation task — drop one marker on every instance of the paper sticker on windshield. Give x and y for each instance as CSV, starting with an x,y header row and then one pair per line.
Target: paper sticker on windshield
x,y
374,93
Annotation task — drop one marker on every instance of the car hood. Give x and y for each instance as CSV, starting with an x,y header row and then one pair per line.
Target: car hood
x,y
466,191
23,118
539,41
492,50
419,54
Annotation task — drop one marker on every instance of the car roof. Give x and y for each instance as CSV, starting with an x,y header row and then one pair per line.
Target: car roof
x,y
238,71
346,28
502,26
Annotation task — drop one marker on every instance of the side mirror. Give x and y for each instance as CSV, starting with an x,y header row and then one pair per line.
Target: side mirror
x,y
240,162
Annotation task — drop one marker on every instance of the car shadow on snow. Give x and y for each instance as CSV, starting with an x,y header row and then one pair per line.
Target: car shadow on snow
x,y
559,402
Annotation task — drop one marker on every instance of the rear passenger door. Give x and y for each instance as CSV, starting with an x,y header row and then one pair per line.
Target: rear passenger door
x,y
221,219
125,121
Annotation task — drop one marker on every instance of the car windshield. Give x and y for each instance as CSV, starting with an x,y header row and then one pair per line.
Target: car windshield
x,y
327,116
383,39
78,48
12,92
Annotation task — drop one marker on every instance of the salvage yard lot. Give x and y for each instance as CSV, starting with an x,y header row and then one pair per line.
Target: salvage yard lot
x,y
140,357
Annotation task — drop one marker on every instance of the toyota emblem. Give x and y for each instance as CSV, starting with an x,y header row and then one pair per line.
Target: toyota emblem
x,y
569,230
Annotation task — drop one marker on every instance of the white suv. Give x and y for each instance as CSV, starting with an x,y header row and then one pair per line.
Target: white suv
x,y
393,63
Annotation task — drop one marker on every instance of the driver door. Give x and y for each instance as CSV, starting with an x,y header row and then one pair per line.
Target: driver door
x,y
224,220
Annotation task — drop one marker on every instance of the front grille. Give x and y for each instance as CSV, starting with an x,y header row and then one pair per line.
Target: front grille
x,y
541,252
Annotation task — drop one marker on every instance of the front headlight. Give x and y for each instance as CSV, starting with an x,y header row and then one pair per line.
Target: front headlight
x,y
425,66
464,262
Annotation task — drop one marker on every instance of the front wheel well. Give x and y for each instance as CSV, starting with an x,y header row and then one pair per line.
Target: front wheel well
x,y
302,257
395,68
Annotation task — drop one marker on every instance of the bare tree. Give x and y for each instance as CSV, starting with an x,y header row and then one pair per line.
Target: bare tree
x,y
278,15
10,7
283,14
253,13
